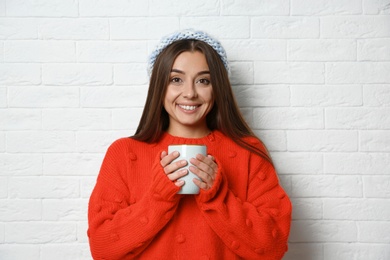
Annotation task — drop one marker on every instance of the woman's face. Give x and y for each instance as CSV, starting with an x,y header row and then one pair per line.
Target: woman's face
x,y
189,95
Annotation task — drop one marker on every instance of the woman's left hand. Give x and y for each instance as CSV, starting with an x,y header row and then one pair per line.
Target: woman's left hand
x,y
206,169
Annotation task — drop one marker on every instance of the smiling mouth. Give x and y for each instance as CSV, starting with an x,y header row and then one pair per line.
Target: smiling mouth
x,y
189,108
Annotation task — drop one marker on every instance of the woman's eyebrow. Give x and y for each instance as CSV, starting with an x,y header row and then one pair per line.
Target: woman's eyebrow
x,y
203,72
177,71
199,73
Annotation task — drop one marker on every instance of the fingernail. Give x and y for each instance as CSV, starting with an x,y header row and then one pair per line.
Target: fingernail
x,y
175,153
180,183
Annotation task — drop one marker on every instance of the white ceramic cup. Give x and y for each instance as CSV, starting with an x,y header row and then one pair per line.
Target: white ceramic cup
x,y
188,151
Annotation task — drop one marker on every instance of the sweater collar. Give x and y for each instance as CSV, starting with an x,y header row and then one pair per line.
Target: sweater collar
x,y
168,139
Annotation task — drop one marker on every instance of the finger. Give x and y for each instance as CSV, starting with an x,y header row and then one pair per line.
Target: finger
x,y
204,176
179,183
205,164
163,154
168,158
213,164
172,167
209,160
177,174
201,185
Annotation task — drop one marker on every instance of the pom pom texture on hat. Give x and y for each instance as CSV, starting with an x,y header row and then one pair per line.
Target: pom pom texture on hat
x,y
188,34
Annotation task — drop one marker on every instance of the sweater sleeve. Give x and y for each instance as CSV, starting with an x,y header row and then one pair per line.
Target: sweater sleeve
x,y
258,227
119,226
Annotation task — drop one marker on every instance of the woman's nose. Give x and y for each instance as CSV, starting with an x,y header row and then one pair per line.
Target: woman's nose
x,y
189,90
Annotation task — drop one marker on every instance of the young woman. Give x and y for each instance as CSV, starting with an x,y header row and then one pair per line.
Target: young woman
x,y
241,211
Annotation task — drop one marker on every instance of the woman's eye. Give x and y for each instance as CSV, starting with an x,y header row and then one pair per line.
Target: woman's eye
x,y
204,81
175,80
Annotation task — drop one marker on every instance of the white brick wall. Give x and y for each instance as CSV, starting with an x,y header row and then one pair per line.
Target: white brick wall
x,y
312,79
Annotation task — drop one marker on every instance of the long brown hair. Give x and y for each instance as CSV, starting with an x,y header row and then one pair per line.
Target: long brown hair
x,y
225,115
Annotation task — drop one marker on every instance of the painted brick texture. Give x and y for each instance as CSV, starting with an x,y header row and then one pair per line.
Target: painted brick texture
x,y
312,79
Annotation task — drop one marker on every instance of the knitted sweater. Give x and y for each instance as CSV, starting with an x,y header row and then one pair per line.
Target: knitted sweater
x,y
135,213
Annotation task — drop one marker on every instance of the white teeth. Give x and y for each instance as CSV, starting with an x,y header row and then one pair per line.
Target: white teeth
x,y
188,107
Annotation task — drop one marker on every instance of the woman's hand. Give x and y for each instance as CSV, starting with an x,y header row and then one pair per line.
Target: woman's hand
x,y
206,169
172,169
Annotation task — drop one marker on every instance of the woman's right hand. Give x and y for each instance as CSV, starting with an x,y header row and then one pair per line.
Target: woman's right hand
x,y
172,169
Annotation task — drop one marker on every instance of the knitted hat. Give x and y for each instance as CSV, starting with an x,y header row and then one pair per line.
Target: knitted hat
x,y
188,34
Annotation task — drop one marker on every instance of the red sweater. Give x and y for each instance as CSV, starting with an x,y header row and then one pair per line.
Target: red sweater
x,y
135,213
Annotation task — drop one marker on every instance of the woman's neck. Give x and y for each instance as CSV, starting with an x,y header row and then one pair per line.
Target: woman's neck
x,y
189,132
